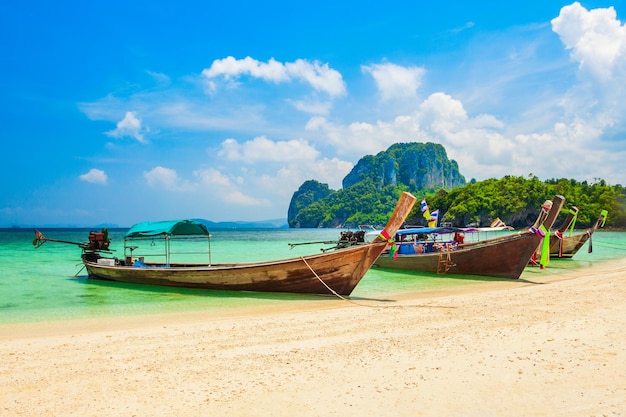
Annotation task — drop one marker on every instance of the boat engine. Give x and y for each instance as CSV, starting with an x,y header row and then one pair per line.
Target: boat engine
x,y
98,240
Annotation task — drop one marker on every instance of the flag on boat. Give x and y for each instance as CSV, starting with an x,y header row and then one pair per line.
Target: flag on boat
x,y
424,206
425,211
433,218
497,223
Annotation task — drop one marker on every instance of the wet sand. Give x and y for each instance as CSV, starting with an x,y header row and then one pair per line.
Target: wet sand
x,y
550,345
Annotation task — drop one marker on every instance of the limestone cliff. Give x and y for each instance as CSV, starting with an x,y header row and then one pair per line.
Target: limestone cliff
x,y
418,166
370,187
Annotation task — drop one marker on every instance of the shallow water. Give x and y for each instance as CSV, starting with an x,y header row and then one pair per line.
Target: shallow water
x,y
48,283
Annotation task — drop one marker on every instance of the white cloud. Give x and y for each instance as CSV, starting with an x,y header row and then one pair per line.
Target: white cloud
x,y
129,126
594,110
595,38
95,176
263,163
211,176
395,81
236,197
261,149
320,76
166,178
226,188
477,143
313,107
326,170
259,172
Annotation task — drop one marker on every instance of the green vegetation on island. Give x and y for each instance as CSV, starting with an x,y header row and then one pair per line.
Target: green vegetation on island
x,y
373,186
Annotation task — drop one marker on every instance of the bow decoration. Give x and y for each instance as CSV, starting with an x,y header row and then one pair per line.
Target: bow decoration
x,y
393,250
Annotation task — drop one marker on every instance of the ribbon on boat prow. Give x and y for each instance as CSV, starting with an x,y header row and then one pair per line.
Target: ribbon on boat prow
x,y
393,251
540,230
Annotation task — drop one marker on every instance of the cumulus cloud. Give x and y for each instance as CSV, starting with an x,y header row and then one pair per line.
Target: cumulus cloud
x,y
263,163
395,81
477,143
212,176
258,172
261,149
227,188
129,126
595,38
236,197
319,76
95,176
597,42
166,178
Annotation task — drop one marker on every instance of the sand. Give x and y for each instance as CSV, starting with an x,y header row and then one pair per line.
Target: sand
x,y
550,345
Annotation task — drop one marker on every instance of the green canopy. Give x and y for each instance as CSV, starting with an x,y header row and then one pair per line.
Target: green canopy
x,y
169,227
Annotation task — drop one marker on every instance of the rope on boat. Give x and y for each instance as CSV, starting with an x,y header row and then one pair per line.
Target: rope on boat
x,y
333,291
359,304
322,281
79,271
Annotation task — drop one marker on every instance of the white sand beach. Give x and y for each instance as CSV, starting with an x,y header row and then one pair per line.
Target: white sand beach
x,y
553,345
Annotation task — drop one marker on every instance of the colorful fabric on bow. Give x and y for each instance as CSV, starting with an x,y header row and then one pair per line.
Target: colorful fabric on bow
x,y
393,250
542,232
603,214
559,235
545,247
538,231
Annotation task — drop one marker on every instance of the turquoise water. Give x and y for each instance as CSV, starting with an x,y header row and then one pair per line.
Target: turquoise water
x,y
49,283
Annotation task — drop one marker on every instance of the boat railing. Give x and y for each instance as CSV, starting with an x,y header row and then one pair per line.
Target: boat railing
x,y
165,249
419,247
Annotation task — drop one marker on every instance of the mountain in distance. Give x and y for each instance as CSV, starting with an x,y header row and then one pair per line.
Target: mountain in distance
x,y
371,188
262,224
417,166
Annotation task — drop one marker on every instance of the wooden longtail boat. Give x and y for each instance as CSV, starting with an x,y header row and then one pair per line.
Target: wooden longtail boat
x,y
564,244
504,256
331,272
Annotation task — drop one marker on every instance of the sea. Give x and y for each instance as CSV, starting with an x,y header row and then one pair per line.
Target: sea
x,y
48,283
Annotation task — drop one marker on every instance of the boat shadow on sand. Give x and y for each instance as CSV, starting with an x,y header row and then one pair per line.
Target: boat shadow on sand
x,y
452,278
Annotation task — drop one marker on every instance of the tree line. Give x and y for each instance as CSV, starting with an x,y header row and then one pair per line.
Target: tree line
x,y
516,200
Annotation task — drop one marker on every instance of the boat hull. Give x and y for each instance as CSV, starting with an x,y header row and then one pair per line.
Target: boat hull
x,y
567,246
338,271
504,257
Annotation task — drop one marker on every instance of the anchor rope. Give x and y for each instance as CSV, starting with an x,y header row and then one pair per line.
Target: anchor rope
x,y
359,304
76,274
322,281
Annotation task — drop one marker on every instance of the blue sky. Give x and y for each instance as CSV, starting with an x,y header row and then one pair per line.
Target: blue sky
x,y
121,112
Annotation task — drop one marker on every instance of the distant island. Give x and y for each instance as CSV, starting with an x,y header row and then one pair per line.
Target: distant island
x,y
263,224
372,187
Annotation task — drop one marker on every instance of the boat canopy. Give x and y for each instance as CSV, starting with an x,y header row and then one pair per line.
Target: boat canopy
x,y
167,228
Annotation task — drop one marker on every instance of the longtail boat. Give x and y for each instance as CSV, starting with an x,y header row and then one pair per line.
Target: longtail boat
x,y
335,271
504,256
564,244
